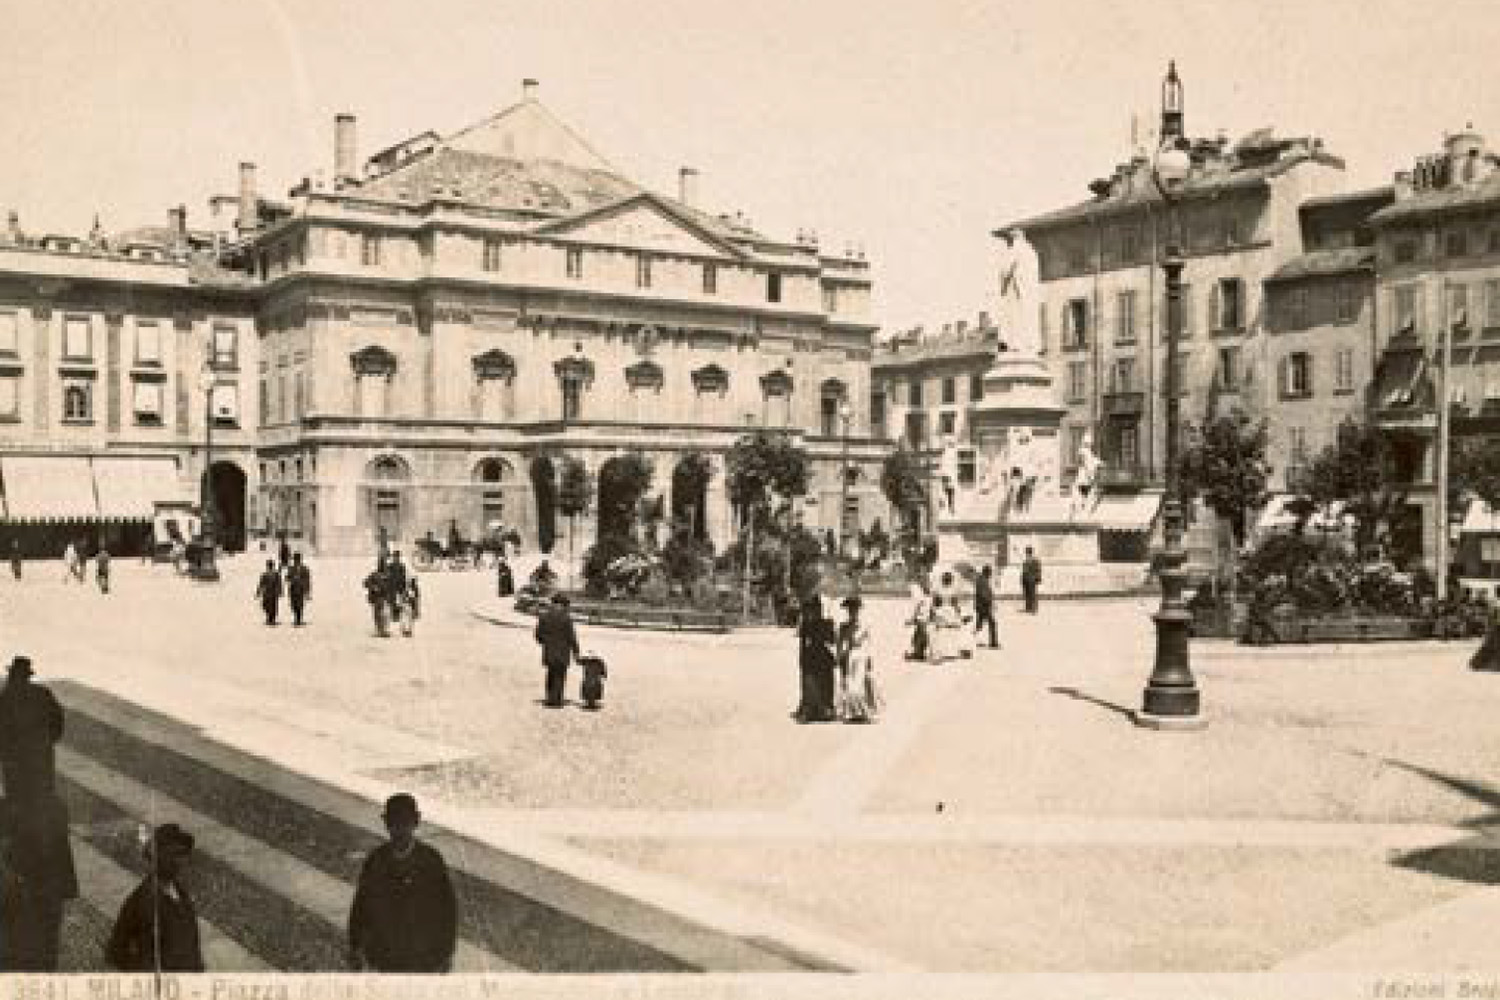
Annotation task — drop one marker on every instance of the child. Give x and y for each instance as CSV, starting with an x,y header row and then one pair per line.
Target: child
x,y
592,689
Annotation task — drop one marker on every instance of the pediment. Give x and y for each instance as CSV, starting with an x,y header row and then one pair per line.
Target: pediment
x,y
643,223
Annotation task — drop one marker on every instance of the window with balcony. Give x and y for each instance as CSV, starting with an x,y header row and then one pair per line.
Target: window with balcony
x,y
1125,317
226,405
916,430
1296,375
1075,444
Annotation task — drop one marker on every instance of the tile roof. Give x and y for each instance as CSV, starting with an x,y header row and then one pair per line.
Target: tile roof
x,y
979,343
497,182
1455,197
1320,263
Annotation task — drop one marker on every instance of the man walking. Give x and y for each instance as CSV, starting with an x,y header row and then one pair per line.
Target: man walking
x,y
15,557
298,587
157,929
559,642
984,605
268,591
376,585
404,917
31,723
1031,579
101,569
38,878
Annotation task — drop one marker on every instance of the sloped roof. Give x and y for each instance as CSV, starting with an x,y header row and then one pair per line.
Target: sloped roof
x,y
980,343
498,182
1321,263
1456,197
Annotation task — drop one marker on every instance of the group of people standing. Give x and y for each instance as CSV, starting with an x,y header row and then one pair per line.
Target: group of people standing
x,y
75,565
403,917
393,595
941,631
836,663
293,578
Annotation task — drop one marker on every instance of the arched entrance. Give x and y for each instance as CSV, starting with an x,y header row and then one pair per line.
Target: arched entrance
x,y
387,478
226,488
544,489
491,476
690,478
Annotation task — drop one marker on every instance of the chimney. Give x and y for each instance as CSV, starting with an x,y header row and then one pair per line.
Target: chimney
x,y
984,320
249,207
345,151
1403,185
687,187
528,90
177,222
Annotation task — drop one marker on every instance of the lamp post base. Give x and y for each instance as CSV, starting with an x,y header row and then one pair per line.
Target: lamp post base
x,y
1170,723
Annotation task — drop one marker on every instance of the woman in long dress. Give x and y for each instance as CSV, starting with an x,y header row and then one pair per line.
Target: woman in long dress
x,y
920,613
815,662
861,700
946,626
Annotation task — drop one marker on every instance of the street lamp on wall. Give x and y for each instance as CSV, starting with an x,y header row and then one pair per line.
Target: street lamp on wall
x,y
1171,699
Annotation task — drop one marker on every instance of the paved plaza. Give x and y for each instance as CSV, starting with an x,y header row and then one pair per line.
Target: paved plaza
x,y
1004,815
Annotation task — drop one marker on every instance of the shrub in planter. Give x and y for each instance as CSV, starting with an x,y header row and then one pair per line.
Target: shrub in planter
x,y
610,565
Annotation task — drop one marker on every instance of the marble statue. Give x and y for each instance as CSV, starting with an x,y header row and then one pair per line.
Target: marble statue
x,y
948,476
1017,312
1085,494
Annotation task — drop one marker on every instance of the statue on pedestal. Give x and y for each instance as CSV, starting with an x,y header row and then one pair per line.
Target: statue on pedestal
x,y
1085,494
1016,314
948,478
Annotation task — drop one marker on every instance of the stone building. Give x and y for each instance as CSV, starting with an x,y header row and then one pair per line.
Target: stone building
x,y
104,407
421,339
1235,218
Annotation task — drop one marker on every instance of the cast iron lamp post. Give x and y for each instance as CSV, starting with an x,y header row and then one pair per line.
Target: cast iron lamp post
x,y
846,414
1170,700
207,569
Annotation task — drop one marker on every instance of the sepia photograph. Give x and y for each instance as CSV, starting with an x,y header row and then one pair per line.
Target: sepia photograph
x,y
838,498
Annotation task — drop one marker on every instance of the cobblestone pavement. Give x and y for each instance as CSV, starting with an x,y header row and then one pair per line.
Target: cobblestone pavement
x,y
1003,816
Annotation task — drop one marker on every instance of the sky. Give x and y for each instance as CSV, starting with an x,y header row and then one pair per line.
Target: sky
x,y
909,128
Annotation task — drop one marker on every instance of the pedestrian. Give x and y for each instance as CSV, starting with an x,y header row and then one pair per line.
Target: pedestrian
x,y
919,618
861,700
298,587
505,580
410,606
376,594
395,571
157,929
15,558
1031,579
31,723
984,605
70,563
591,691
38,878
559,641
268,592
817,660
384,552
404,917
101,569
284,552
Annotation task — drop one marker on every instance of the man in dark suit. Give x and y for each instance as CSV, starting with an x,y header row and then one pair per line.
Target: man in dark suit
x,y
268,591
1031,579
31,723
984,606
298,586
559,642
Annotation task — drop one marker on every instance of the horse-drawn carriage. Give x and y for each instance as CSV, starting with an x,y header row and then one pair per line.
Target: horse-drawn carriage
x,y
459,552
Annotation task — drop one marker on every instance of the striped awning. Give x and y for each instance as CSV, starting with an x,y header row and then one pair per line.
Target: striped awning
x,y
1134,512
48,488
129,488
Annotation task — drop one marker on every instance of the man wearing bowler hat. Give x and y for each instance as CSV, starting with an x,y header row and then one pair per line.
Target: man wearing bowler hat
x,y
31,723
404,917
157,929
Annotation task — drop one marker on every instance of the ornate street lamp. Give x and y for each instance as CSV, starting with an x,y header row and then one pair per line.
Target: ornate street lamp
x,y
1171,699
846,414
205,567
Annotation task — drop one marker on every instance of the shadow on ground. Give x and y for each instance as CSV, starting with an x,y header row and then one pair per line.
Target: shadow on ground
x,y
1460,860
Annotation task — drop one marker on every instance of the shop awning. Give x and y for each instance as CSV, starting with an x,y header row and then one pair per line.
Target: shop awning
x,y
48,488
1127,513
1480,517
129,488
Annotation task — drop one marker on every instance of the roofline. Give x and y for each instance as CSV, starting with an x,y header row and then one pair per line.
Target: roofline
x,y
572,133
1400,212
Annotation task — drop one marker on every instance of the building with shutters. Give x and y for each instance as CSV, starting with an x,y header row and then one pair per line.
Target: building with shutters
x,y
422,338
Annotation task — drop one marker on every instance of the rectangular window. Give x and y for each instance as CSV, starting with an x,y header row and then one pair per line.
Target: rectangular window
x,y
1075,444
950,390
711,280
575,263
1229,369
226,404
643,272
78,400
1458,307
1122,376
1343,372
9,343
147,344
146,402
1125,317
947,424
916,430
1296,375
492,254
1231,312
77,342
976,388
1130,245
369,250
773,288
830,300
1406,309
226,347
1296,309
1456,244
1297,444
1077,381
572,390
914,395
877,413
1405,251
968,467
300,387
10,397
830,415
1128,445
1041,328
1187,311
265,403
1076,324
1347,297
1492,303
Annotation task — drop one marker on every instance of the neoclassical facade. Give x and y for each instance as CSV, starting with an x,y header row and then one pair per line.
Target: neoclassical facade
x,y
441,326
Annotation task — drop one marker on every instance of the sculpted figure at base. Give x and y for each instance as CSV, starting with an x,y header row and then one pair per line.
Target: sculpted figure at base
x,y
1085,484
948,478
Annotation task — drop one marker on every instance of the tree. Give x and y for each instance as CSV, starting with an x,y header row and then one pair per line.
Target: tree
x,y
623,481
1358,470
573,497
903,481
1226,468
1475,472
544,488
765,469
690,478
